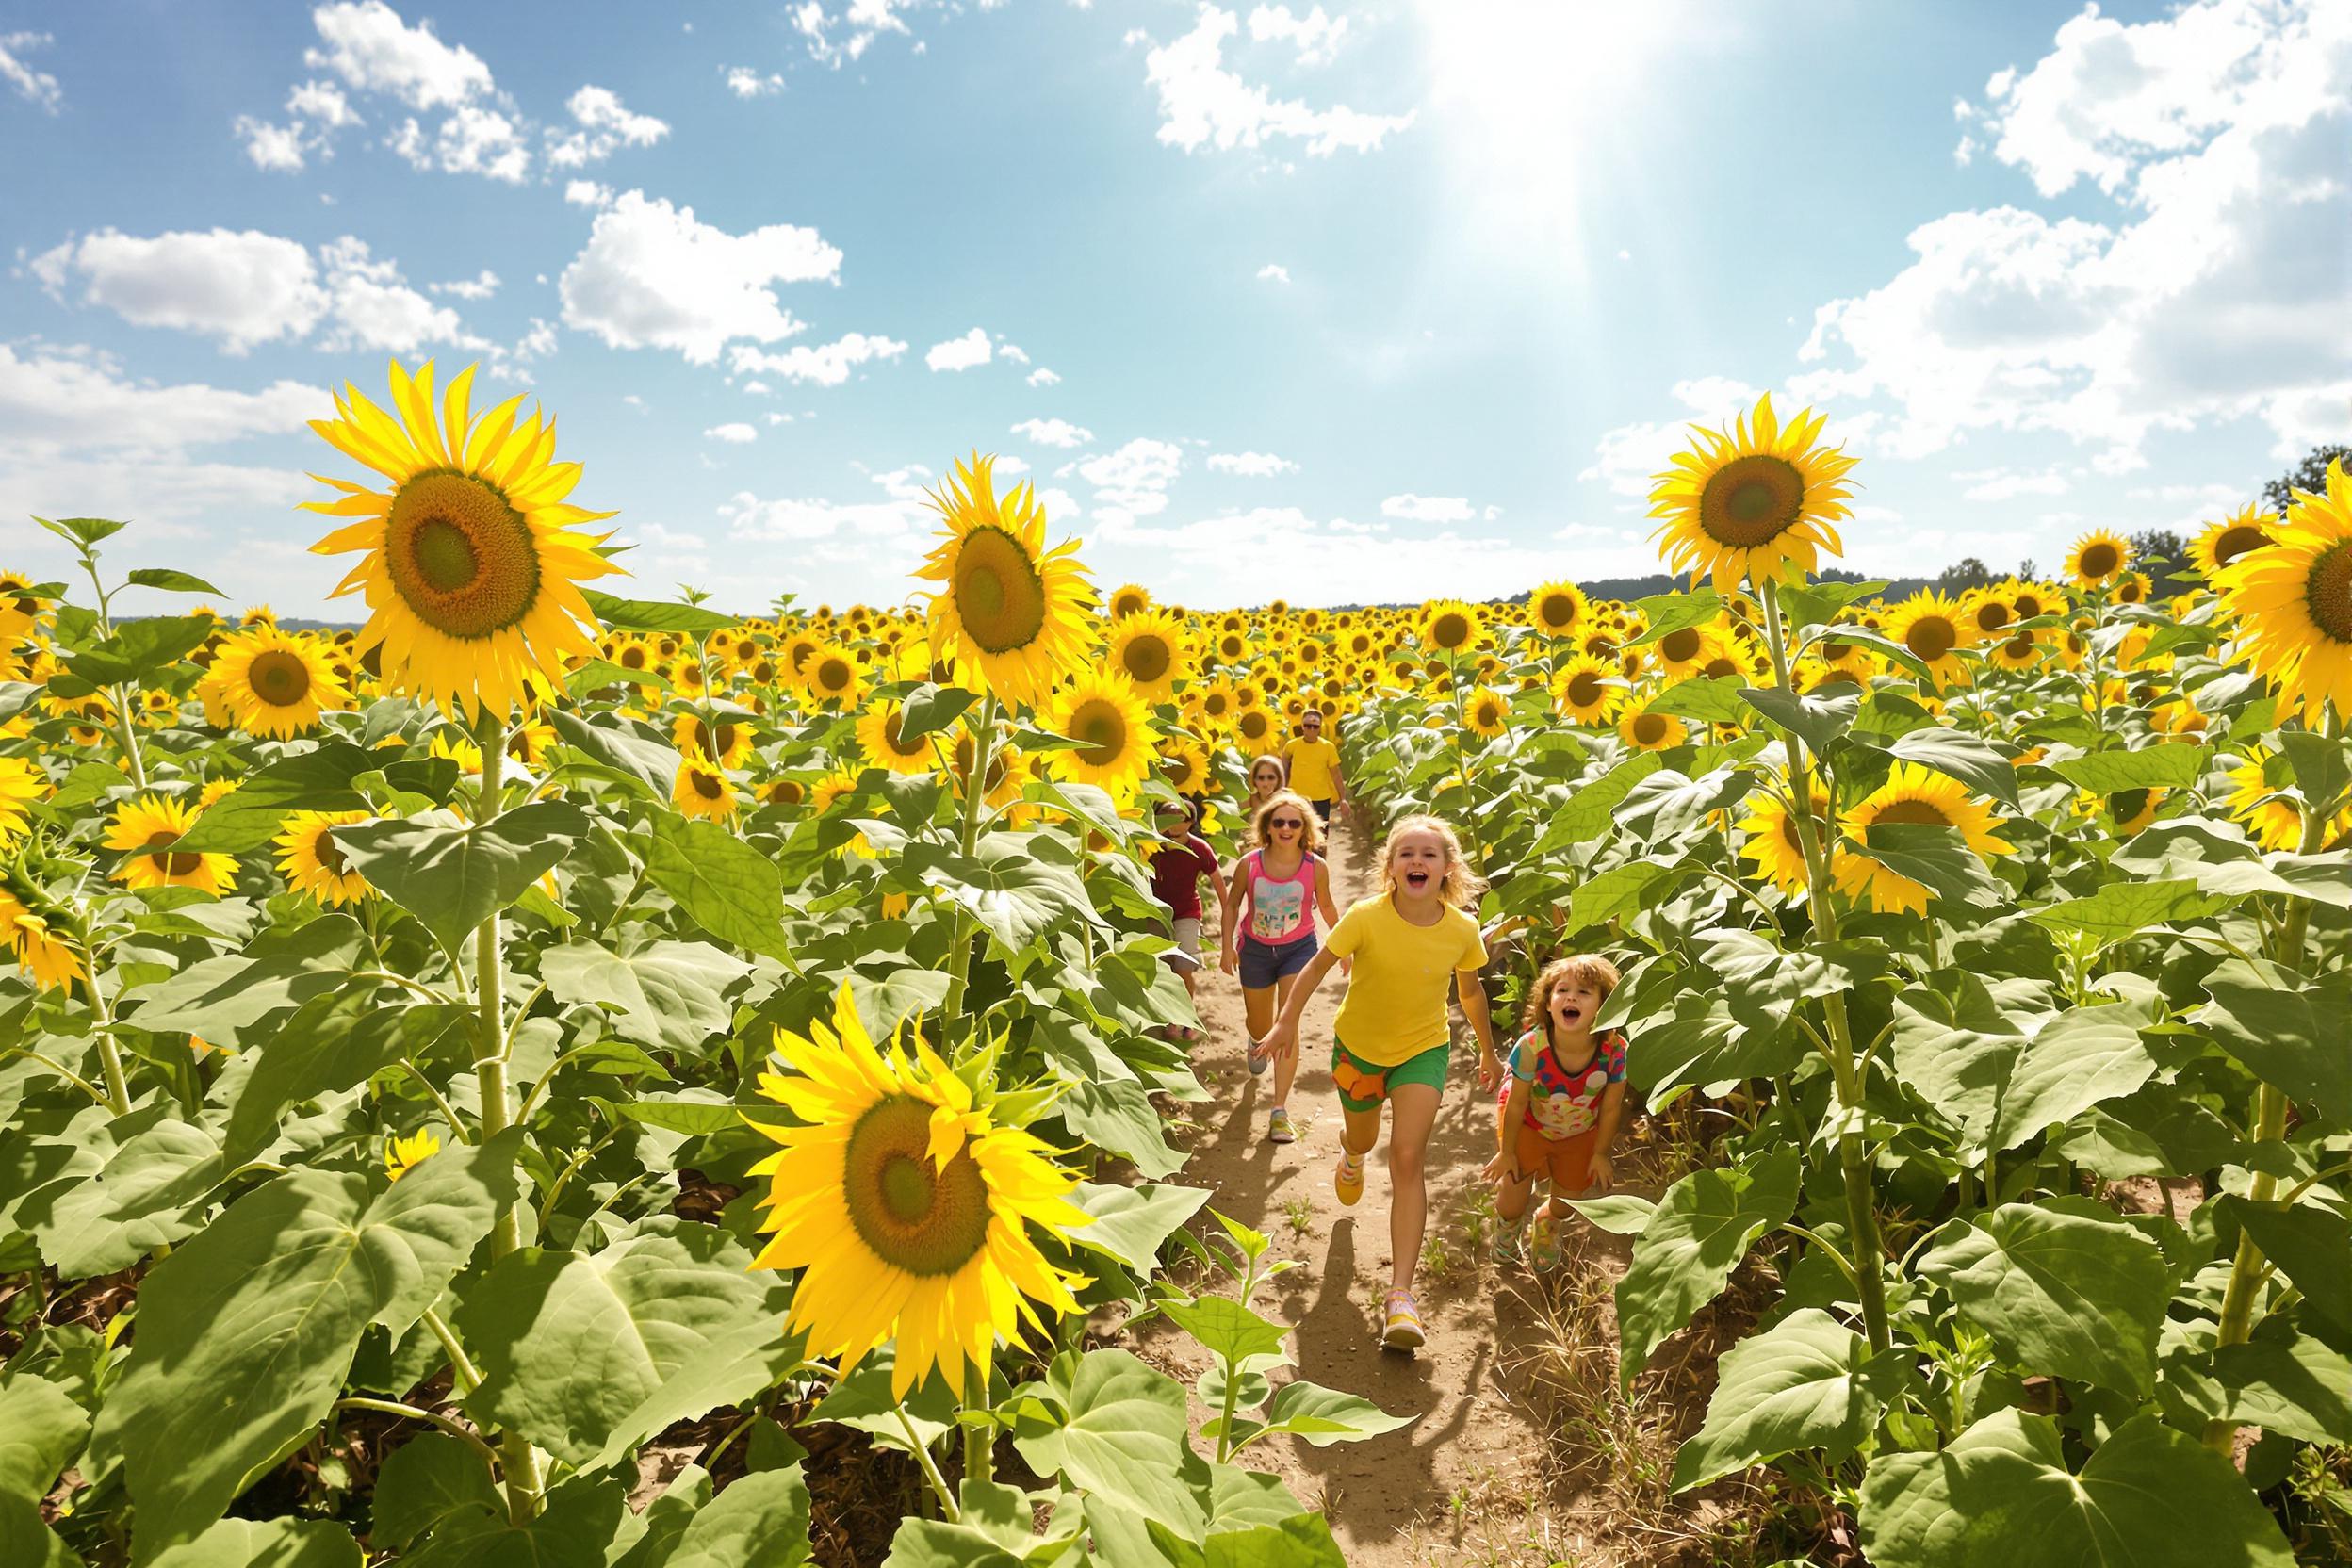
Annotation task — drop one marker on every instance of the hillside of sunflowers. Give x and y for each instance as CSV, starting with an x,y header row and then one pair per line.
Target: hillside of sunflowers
x,y
546,1076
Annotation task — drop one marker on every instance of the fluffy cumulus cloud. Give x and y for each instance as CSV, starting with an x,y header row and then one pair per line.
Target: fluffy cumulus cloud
x,y
38,88
366,42
1203,103
823,364
1043,377
1273,271
1315,36
315,111
962,353
472,139
1132,483
743,82
845,33
602,127
1409,508
479,286
1251,464
1630,456
653,276
2216,133
734,434
2005,485
1055,432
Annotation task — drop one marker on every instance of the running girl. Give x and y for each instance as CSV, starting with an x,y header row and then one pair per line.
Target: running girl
x,y
1558,1112
1391,1040
1267,775
1277,890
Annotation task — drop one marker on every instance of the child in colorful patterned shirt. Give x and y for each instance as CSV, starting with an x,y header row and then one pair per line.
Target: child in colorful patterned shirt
x,y
1559,1111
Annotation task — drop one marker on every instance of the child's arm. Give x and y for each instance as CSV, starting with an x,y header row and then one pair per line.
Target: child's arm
x,y
1224,919
1602,1176
1283,1038
1473,997
1505,1164
1229,908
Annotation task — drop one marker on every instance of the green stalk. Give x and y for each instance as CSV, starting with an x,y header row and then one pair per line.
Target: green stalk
x,y
1233,1376
930,1467
110,1054
1845,1071
975,793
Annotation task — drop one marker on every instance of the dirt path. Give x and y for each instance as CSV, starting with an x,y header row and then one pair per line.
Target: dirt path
x,y
1476,1478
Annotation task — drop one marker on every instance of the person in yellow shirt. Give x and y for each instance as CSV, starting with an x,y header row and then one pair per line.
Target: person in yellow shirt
x,y
1392,1039
1313,764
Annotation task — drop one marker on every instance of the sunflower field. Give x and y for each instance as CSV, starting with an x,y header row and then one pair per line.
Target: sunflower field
x,y
547,1077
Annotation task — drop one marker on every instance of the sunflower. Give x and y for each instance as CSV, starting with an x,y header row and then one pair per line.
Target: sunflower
x,y
1450,625
878,737
402,1155
1751,501
727,742
1912,793
2249,529
906,1207
1010,610
2259,799
1129,599
1681,651
1185,765
2019,651
276,683
832,674
22,782
1772,843
312,863
147,828
702,789
52,962
1986,612
1649,731
2097,557
1253,725
458,748
1934,628
473,556
2293,601
1148,648
2133,588
783,792
1102,709
2127,811
1558,609
1587,690
1486,712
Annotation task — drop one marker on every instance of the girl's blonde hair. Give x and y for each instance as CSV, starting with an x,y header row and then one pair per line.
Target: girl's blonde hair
x,y
1281,769
1589,968
1310,836
1459,886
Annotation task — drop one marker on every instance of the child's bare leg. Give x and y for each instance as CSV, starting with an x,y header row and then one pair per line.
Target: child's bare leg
x,y
1285,1068
1360,1130
1257,1011
1414,1115
1511,1197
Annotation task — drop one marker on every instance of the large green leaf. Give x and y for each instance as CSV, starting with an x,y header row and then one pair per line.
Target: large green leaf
x,y
2150,1497
1956,754
588,1354
2288,1033
267,1544
2215,856
1956,1051
42,1428
1120,1119
1625,890
586,1524
171,580
1124,1432
1321,1416
2296,1386
1715,700
2064,1287
648,764
2079,1059
2312,1248
2124,909
340,1040
1940,860
1592,808
760,1521
249,816
432,1481
655,616
246,1331
1230,1330
1809,1381
144,1196
1701,1229
730,889
454,875
1130,1222
667,994
1665,612
1015,896
1817,721
279,971
28,1543
139,649
2162,766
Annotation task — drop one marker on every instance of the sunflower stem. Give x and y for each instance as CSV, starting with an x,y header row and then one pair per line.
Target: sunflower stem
x,y
129,734
980,1453
975,789
109,1054
1846,1072
930,1467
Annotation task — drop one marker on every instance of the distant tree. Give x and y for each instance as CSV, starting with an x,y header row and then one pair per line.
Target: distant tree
x,y
2310,474
2165,556
1969,573
2027,570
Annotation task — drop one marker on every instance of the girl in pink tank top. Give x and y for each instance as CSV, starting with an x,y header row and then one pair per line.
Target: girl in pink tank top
x,y
1271,935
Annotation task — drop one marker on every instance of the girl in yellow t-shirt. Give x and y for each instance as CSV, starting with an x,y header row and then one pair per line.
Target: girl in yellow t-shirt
x,y
1392,1037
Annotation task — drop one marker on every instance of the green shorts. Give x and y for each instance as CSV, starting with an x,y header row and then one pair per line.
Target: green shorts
x,y
1364,1084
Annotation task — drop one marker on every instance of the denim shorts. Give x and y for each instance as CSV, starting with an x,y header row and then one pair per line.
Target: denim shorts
x,y
1262,963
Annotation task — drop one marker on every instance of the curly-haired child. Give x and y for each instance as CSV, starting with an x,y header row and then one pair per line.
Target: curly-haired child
x,y
1557,1113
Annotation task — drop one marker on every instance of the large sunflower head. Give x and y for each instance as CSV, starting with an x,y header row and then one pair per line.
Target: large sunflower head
x,y
312,863
1104,710
702,789
832,674
2293,600
726,740
2099,557
1753,502
1919,796
1775,846
22,782
906,1206
276,683
1129,599
1149,648
1935,629
1486,712
1646,732
145,829
879,738
1010,610
473,557
2224,541
1451,626
1558,610
1587,690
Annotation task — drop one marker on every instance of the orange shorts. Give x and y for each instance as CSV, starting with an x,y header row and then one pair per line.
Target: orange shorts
x,y
1567,1162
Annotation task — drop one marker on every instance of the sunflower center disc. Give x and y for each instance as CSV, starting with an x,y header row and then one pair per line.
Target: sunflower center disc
x,y
1916,812
1450,631
1147,659
999,596
2019,648
833,674
330,854
1102,725
174,865
2235,541
1680,644
279,678
2329,592
1992,615
709,786
1931,638
1751,500
2127,804
461,558
2100,560
1584,688
928,1222
1649,729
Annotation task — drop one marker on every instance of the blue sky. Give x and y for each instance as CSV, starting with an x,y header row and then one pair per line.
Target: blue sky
x,y
1330,302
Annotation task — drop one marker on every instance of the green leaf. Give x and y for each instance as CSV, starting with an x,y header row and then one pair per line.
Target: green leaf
x,y
341,1037
2162,766
1701,1228
1971,759
1302,1541
1591,809
667,994
1130,1222
1759,971
2289,1034
1809,1381
2318,762
1229,1329
2064,1287
1715,700
453,877
2149,1497
1119,1118
1665,612
1626,889
267,1544
596,675
931,709
590,1354
220,998
587,1525
428,1481
1818,603
760,1521
1015,896
862,1402
249,816
696,1112
1321,1416
2312,1248
728,888
2121,910
84,530
172,582
139,649
2080,1059
1956,1053
1940,860
26,1540
654,616
42,1428
651,765
1125,1434
1621,1213
245,1333
1817,721
145,1196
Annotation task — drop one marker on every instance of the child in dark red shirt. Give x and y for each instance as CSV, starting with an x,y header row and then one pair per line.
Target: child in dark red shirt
x,y
1182,859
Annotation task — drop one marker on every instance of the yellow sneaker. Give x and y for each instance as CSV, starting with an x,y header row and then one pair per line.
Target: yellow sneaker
x,y
1403,1329
1347,1178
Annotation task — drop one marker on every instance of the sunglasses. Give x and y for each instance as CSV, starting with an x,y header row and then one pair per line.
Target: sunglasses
x,y
1293,823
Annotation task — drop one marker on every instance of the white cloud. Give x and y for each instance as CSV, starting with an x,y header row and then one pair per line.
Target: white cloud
x,y
372,49
1043,377
743,82
1251,464
471,140
54,401
38,88
1630,456
774,418
323,103
826,365
1133,482
905,485
587,194
1409,508
2002,484
1201,103
846,34
605,126
1316,34
373,307
279,148
1274,271
1053,432
1013,352
807,520
479,286
653,276
960,353
735,433
242,287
